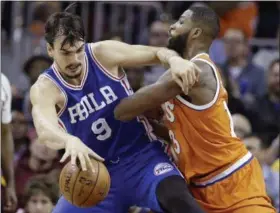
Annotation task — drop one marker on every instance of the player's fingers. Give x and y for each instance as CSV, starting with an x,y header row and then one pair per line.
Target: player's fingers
x,y
73,157
197,71
179,82
90,163
185,82
65,156
193,74
82,161
95,156
190,78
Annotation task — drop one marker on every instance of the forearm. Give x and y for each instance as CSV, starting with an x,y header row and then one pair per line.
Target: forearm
x,y
49,134
7,154
146,98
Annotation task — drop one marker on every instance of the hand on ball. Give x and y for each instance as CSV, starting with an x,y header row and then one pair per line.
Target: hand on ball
x,y
75,148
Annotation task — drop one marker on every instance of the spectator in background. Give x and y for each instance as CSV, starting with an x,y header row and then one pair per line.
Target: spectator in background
x,y
238,15
255,145
264,57
9,198
238,67
158,37
271,155
267,108
235,105
40,195
19,130
242,125
35,43
39,159
33,67
27,42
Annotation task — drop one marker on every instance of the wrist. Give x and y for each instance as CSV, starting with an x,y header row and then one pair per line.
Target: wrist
x,y
173,59
165,54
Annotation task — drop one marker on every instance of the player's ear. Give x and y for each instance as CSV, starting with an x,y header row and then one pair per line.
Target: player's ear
x,y
50,50
195,32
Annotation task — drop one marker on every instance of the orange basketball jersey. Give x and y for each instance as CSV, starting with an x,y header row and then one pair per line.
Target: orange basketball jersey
x,y
203,138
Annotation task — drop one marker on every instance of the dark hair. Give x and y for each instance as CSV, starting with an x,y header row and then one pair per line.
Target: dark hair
x,y
64,24
31,60
206,18
39,184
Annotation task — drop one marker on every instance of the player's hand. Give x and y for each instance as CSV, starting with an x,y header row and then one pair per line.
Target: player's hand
x,y
75,148
185,73
10,199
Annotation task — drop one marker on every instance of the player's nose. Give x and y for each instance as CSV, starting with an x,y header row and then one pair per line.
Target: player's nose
x,y
171,29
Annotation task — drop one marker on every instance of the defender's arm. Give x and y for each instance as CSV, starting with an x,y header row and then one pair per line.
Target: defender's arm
x,y
154,95
147,98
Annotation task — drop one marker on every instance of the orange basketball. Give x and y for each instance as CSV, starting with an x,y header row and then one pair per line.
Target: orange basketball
x,y
84,188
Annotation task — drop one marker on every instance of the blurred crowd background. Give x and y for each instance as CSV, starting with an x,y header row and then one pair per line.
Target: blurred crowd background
x,y
247,53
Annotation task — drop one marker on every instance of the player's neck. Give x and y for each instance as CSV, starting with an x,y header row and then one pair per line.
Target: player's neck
x,y
192,51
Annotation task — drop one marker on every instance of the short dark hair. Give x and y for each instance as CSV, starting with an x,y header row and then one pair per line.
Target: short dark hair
x,y
32,59
41,184
206,18
64,24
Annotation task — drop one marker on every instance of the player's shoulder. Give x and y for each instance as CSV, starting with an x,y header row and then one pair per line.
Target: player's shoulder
x,y
44,87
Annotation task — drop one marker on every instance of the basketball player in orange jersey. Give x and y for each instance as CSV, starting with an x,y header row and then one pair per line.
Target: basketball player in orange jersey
x,y
223,176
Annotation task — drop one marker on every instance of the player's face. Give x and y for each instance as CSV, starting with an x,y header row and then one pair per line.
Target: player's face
x,y
179,33
69,59
39,203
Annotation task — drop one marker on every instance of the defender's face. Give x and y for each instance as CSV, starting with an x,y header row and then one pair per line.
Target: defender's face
x,y
69,59
179,33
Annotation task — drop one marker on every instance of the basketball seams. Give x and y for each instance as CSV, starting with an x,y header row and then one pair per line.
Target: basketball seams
x,y
93,186
72,201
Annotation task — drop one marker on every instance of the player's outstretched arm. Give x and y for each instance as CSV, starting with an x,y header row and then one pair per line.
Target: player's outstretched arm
x,y
164,89
114,53
44,97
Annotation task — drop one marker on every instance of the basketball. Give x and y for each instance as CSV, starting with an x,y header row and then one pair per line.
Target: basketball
x,y
84,188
